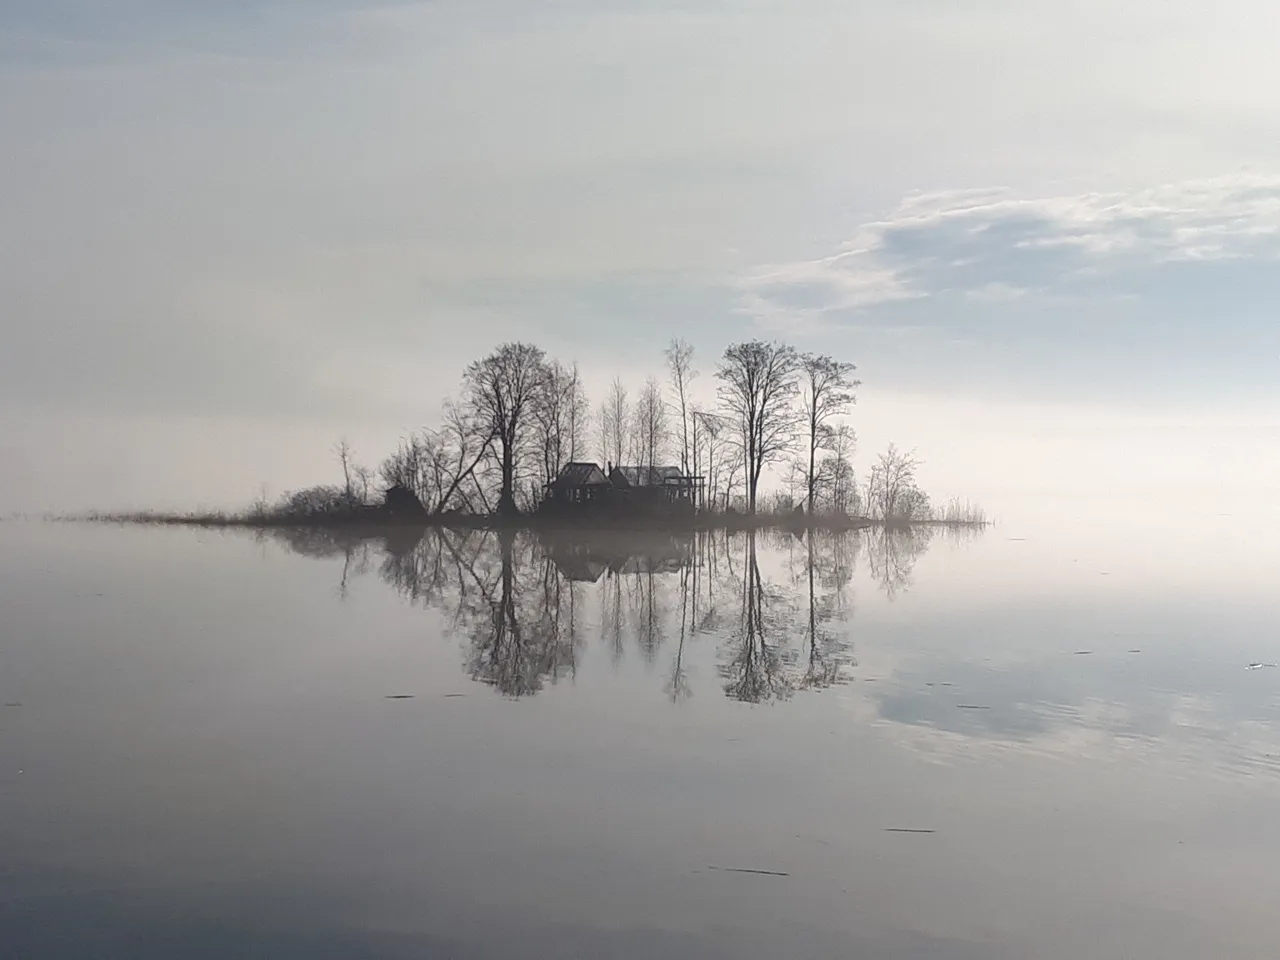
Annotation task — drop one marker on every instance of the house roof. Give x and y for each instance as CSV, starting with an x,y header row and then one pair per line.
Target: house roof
x,y
579,474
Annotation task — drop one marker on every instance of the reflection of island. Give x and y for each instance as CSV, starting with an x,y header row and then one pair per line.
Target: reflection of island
x,y
586,559
776,604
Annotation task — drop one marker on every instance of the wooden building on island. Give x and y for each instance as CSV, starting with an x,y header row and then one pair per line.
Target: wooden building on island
x,y
582,488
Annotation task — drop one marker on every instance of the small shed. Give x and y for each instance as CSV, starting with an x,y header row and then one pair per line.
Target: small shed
x,y
400,501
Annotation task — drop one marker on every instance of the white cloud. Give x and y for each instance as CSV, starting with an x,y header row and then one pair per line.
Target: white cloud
x,y
993,246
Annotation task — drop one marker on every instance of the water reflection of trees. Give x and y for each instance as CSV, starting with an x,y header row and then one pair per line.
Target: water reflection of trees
x,y
752,666
892,553
792,632
827,572
776,606
504,596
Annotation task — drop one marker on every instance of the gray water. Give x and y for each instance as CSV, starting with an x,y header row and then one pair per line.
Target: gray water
x,y
1016,744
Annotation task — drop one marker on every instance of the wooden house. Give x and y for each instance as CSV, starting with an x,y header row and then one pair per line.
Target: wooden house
x,y
578,483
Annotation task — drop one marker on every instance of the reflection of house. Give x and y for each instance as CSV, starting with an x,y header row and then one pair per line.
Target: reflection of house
x,y
623,489
586,557
580,569
647,563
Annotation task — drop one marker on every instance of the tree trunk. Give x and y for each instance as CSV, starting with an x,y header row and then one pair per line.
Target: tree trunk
x,y
812,458
507,497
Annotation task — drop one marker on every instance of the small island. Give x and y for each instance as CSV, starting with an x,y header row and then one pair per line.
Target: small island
x,y
775,448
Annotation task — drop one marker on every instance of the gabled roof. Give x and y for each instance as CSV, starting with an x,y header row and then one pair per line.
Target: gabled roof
x,y
579,474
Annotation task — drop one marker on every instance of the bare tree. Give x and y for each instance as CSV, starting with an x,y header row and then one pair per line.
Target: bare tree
x,y
463,442
555,410
680,365
892,494
758,387
651,427
363,477
578,413
615,423
342,450
836,473
405,467
715,456
704,437
826,392
605,426
439,465
502,389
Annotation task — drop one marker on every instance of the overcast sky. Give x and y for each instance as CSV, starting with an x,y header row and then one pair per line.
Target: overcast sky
x,y
1047,232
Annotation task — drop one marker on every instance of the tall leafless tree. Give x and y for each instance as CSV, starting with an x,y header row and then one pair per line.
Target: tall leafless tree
x,y
342,450
501,390
709,433
615,423
758,388
363,481
651,429
557,410
826,392
579,414
836,472
680,366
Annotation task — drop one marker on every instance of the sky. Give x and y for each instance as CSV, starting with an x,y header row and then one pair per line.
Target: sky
x,y
1046,232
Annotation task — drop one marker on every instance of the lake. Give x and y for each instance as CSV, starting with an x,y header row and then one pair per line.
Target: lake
x,y
1054,741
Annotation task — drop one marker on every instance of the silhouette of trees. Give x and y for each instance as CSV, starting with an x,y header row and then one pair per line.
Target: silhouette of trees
x,y
708,433
679,357
342,450
758,388
502,390
836,478
615,420
651,428
892,494
826,392
440,465
559,412
317,503
523,416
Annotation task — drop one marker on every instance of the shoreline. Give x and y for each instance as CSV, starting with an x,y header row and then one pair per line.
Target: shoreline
x,y
524,522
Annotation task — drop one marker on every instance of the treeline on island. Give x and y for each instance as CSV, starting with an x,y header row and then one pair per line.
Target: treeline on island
x,y
775,442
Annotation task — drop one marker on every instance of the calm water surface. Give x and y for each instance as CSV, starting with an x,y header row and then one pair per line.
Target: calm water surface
x,y
1021,744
